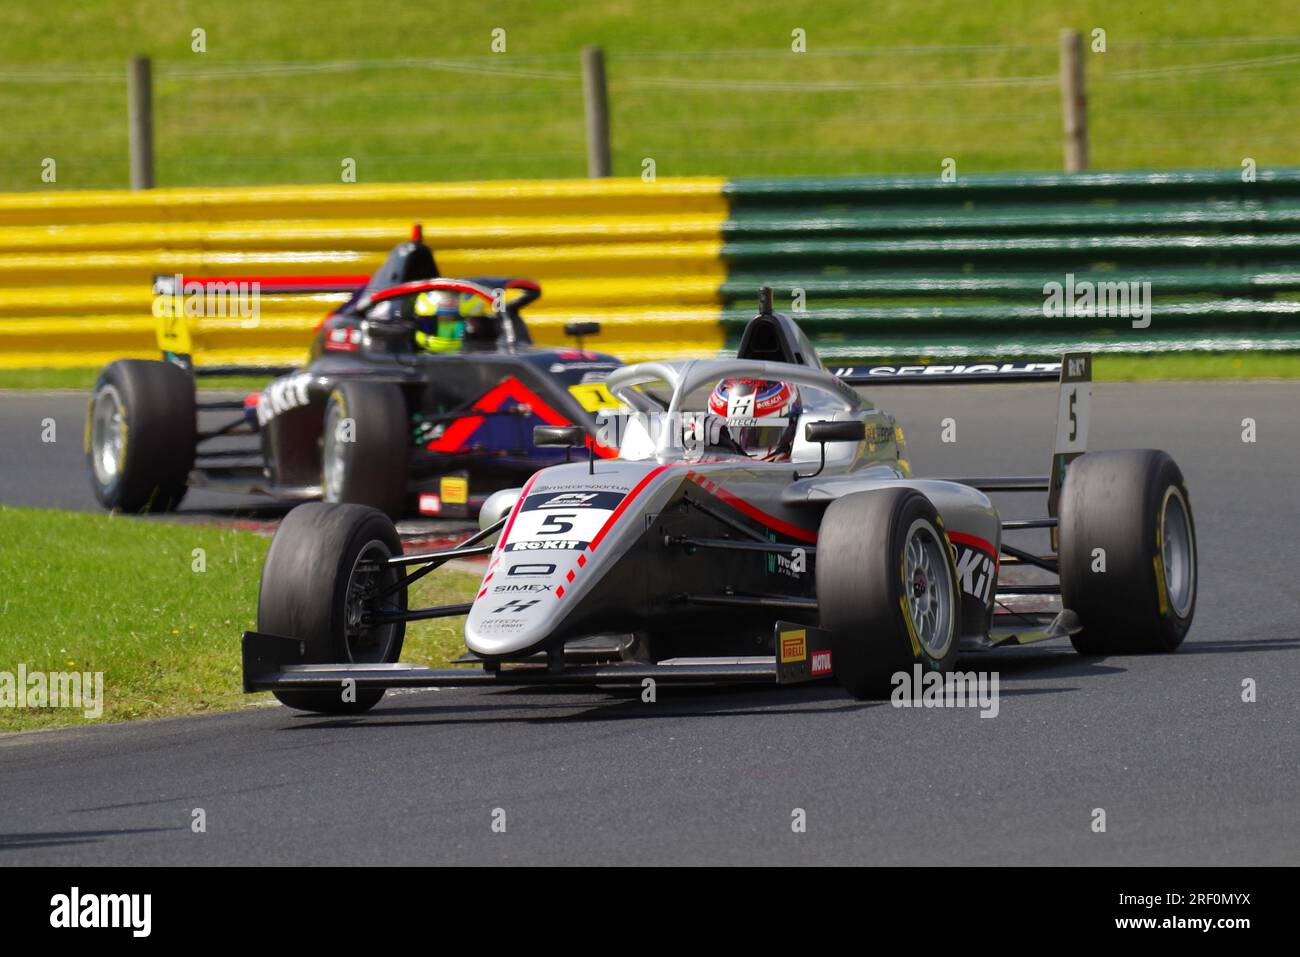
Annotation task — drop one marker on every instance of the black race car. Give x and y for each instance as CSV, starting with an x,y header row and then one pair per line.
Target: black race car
x,y
396,408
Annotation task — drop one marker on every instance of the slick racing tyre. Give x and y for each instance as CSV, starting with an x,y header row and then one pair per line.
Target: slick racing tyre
x,y
320,583
886,588
140,435
1127,552
365,446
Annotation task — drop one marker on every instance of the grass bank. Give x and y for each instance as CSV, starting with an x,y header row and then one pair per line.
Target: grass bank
x,y
125,597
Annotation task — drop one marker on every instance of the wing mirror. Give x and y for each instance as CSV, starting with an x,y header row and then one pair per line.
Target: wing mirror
x,y
852,430
823,432
559,436
567,437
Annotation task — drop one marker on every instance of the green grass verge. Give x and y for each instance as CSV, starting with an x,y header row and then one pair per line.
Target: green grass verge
x,y
1236,365
100,593
1233,365
717,88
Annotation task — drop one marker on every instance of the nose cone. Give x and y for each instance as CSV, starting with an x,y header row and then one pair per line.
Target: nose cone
x,y
540,570
568,526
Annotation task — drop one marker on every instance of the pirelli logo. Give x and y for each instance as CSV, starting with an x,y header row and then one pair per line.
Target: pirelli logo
x,y
803,653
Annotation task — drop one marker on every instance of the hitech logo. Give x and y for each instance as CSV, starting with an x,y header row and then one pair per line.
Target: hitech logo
x,y
76,910
514,607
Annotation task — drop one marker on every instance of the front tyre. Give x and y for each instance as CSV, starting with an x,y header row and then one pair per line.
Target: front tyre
x,y
140,435
1127,552
886,588
321,583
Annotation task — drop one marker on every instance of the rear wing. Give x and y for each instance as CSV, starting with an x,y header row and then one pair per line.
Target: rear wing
x,y
178,299
268,285
935,374
1073,373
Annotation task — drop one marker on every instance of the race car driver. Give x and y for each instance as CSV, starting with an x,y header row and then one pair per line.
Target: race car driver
x,y
759,417
445,319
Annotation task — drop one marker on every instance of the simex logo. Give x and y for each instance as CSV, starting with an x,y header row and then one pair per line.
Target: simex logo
x,y
521,588
74,910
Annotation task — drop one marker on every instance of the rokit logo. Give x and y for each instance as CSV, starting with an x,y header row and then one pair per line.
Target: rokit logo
x,y
564,543
283,395
77,910
976,572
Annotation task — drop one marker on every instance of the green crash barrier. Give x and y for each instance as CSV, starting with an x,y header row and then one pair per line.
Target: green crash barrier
x,y
912,266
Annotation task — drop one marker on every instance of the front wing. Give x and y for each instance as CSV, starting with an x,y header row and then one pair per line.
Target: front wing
x,y
275,663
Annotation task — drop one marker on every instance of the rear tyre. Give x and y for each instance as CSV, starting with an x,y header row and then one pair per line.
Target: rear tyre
x,y
365,452
1127,552
140,435
316,588
886,588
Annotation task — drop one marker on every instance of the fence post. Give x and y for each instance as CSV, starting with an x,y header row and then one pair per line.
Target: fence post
x,y
596,102
139,92
1074,107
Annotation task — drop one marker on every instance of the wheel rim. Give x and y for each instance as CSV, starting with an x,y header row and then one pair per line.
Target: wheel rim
x,y
370,643
107,435
1177,553
333,466
927,587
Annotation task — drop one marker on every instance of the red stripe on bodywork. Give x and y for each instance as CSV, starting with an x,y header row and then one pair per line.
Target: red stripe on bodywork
x,y
771,521
289,284
974,541
431,285
622,506
505,532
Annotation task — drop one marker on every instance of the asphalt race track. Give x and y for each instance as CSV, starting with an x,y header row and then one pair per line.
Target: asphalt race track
x,y
1186,772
